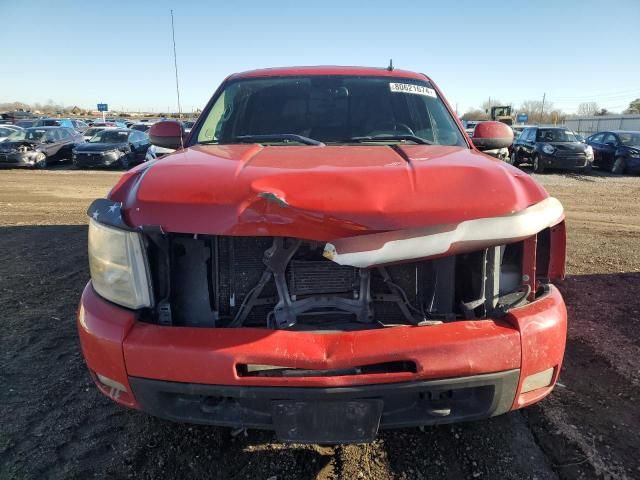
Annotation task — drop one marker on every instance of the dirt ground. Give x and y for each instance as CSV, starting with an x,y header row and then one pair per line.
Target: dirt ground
x,y
55,424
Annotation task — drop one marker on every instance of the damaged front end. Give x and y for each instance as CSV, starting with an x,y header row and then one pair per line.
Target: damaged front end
x,y
20,153
474,270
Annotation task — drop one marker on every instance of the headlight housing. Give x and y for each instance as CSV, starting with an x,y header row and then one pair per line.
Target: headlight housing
x,y
589,151
548,149
118,265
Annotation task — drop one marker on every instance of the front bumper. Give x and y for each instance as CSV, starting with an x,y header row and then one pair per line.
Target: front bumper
x,y
572,162
465,370
395,405
19,159
88,160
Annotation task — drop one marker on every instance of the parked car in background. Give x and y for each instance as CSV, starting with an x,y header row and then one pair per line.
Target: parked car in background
x,y
79,125
330,256
617,151
551,147
6,130
112,147
91,131
38,146
17,116
24,123
141,127
54,122
117,122
106,124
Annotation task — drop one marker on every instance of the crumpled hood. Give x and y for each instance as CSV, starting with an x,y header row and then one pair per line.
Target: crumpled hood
x,y
7,146
320,193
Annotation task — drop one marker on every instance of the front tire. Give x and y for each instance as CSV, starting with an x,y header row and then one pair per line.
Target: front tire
x,y
618,166
537,165
124,162
41,161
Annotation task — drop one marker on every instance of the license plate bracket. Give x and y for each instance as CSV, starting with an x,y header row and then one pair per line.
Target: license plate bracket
x,y
329,422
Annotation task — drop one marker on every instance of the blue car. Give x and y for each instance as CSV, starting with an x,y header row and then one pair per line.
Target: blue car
x,y
54,122
617,151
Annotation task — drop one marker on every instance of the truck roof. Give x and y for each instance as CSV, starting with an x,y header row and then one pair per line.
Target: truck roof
x,y
328,70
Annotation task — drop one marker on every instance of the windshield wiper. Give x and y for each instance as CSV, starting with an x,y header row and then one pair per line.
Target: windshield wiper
x,y
386,138
275,137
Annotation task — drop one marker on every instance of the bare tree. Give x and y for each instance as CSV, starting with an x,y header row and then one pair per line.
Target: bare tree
x,y
533,108
588,108
475,114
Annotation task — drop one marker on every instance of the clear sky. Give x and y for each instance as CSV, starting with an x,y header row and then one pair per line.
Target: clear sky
x,y
120,52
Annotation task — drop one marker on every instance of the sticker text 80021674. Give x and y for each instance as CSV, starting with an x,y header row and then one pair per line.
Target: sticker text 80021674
x,y
411,88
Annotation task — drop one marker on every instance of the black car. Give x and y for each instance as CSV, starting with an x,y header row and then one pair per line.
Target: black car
x,y
551,147
113,147
617,151
38,146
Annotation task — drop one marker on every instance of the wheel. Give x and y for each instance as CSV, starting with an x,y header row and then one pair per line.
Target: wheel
x,y
514,159
618,166
41,161
124,162
537,166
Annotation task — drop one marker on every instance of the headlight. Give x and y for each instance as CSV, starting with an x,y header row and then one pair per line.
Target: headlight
x,y
115,152
118,268
548,149
589,151
634,153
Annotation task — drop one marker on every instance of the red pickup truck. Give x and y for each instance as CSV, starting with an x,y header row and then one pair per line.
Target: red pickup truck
x,y
326,253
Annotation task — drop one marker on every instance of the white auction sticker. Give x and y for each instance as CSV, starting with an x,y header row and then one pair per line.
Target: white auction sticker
x,y
410,88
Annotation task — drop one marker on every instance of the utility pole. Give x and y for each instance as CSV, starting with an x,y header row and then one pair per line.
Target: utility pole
x,y
544,95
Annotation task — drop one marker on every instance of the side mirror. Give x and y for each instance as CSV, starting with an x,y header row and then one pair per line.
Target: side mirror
x,y
492,136
167,134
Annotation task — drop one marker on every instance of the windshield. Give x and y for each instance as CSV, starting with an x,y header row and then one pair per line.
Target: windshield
x,y
110,136
92,131
28,134
330,109
555,135
142,127
630,138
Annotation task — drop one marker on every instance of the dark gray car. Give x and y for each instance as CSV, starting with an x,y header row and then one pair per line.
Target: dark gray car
x,y
38,146
113,147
